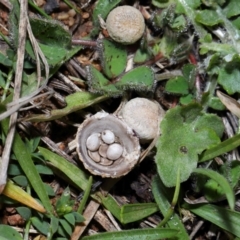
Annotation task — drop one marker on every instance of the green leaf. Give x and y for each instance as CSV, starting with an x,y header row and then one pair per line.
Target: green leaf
x,y
183,138
25,212
231,10
221,148
216,104
5,61
230,80
110,203
25,161
113,58
221,181
135,212
177,85
45,170
99,84
66,226
7,232
78,217
85,196
64,204
75,102
42,226
162,196
136,234
138,79
70,218
49,190
21,180
74,173
208,17
222,217
50,32
54,224
102,8
14,169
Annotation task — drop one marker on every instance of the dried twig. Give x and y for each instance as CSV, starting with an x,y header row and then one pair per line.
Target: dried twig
x,y
17,91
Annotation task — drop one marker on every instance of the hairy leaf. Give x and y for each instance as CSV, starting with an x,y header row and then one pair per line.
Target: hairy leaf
x,y
185,134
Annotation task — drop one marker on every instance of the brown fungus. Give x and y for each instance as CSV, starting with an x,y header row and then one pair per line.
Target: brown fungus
x,y
120,156
125,24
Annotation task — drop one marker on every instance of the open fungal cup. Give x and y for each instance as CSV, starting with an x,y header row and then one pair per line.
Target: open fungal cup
x,y
144,117
125,24
107,146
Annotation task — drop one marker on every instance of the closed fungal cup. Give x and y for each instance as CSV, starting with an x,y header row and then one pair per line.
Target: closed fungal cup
x,y
125,24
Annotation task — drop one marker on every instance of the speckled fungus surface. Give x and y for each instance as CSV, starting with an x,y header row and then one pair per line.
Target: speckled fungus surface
x,y
125,24
144,117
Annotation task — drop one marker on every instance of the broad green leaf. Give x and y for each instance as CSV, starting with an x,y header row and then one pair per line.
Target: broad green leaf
x,y
25,161
49,190
102,8
45,170
100,84
18,194
14,169
113,58
135,212
141,56
162,196
67,227
110,203
4,60
42,226
138,79
129,212
24,212
230,80
208,17
221,181
188,7
70,218
54,223
183,138
78,217
50,32
222,217
74,173
231,9
177,85
21,180
216,104
221,148
136,234
75,102
7,232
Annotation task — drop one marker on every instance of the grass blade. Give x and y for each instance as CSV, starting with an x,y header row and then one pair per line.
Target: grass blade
x,y
18,194
136,234
25,160
222,181
223,218
77,176
221,148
